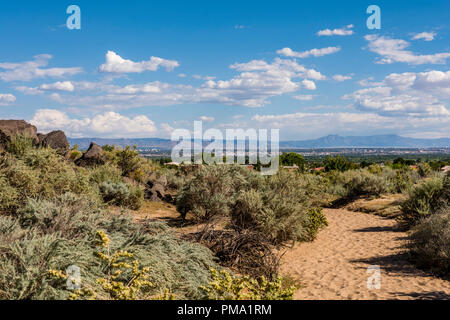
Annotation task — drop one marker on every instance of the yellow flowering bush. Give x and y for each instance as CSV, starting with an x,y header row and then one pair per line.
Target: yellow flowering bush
x,y
225,286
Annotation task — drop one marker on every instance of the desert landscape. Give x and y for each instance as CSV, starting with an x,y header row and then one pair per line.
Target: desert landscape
x,y
136,228
224,159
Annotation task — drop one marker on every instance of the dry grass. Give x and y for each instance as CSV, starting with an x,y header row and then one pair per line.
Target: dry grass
x,y
384,206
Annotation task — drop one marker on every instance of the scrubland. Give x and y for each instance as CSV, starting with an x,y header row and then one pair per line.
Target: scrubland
x,y
55,214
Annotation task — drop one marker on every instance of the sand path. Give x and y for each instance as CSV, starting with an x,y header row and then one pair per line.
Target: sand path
x,y
334,266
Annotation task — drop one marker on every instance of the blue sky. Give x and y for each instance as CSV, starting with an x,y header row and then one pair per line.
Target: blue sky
x,y
143,68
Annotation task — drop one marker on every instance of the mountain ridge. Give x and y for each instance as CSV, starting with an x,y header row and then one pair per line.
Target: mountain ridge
x,y
330,141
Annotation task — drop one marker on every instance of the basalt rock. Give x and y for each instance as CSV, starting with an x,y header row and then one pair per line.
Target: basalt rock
x,y
11,128
93,156
56,140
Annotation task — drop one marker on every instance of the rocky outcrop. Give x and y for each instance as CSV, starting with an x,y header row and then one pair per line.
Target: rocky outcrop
x,y
56,140
156,189
93,156
10,128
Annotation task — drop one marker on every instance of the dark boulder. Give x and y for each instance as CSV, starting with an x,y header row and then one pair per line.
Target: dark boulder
x,y
156,189
56,140
93,156
10,128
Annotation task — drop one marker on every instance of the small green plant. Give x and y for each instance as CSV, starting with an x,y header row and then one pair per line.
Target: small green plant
x,y
425,199
121,194
128,160
225,286
430,244
19,144
317,221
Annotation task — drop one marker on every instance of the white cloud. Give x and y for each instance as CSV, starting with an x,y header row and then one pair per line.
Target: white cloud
x,y
421,94
167,129
288,52
394,50
346,31
255,82
58,86
29,70
313,125
6,99
207,119
308,84
427,36
116,64
304,97
340,78
182,75
108,124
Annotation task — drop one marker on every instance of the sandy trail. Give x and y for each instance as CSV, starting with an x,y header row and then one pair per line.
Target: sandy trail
x,y
334,266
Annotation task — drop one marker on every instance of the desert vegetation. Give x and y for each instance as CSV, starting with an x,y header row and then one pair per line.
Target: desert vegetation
x,y
64,207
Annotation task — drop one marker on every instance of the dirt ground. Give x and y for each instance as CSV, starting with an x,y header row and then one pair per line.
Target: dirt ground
x,y
335,265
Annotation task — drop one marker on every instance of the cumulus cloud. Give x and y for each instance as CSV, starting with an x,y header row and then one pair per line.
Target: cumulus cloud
x,y
421,94
58,86
427,36
288,52
394,50
304,97
346,31
253,85
108,124
6,99
313,125
29,70
308,84
340,78
116,64
207,119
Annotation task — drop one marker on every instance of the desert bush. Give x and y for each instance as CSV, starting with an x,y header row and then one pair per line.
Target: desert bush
x,y
400,180
355,183
430,243
211,191
225,286
279,209
122,194
53,235
424,169
316,221
425,199
128,160
19,144
105,173
74,153
338,163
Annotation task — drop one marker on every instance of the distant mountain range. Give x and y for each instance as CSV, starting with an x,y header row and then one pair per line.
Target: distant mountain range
x,y
330,141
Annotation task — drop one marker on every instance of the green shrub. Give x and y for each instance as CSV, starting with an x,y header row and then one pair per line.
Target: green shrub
x,y
355,183
228,287
121,194
211,191
278,209
425,199
430,243
53,235
128,160
316,221
19,145
424,169
105,173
